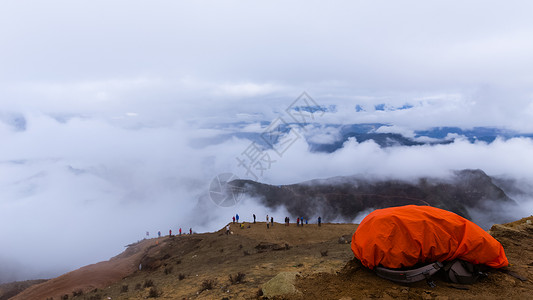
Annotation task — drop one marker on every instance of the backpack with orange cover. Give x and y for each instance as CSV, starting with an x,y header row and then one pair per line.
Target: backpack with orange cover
x,y
408,236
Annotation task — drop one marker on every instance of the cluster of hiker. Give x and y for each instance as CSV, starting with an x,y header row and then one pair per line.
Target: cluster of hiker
x,y
270,221
169,233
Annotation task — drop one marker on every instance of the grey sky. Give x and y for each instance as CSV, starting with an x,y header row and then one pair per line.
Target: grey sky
x,y
113,94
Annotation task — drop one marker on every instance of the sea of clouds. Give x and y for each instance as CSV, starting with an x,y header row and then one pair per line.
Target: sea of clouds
x,y
75,190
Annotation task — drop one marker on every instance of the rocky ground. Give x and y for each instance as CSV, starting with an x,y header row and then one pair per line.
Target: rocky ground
x,y
280,262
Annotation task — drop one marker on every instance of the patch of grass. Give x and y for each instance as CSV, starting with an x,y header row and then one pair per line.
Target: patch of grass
x,y
181,276
178,261
259,293
208,284
64,297
124,288
324,253
239,278
168,270
77,293
95,297
148,283
154,293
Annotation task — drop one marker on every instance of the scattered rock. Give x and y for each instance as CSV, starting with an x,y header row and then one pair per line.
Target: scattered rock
x,y
281,284
265,246
345,239
149,263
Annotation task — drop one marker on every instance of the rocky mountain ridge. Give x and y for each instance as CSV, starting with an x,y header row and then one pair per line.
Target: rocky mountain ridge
x,y
343,198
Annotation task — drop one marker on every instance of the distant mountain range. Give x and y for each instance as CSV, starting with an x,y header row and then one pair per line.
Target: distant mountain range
x,y
381,134
343,198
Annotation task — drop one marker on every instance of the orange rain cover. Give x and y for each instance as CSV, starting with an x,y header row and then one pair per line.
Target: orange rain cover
x,y
403,236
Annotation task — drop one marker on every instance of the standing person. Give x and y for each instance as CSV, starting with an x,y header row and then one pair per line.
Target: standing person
x,y
233,219
227,229
319,221
267,218
306,221
271,221
147,234
237,217
190,230
159,233
297,222
302,221
170,232
180,230
254,218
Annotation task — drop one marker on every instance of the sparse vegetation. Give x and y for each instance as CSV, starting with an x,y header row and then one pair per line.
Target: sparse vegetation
x,y
168,270
124,288
148,283
95,297
324,253
178,261
181,276
154,293
77,293
64,297
246,253
138,286
259,293
208,284
239,278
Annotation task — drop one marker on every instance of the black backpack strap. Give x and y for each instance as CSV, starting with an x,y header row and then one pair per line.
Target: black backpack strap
x,y
408,276
463,272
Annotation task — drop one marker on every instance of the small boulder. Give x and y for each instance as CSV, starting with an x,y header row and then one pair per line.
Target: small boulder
x,y
345,239
279,285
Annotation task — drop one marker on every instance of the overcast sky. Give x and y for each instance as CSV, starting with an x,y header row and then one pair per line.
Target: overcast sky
x,y
102,105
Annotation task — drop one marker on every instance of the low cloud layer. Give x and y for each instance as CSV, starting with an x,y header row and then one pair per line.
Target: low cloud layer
x,y
76,192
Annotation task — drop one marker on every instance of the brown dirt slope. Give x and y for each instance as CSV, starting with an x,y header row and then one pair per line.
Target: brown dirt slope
x,y
315,260
90,277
